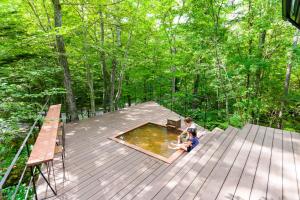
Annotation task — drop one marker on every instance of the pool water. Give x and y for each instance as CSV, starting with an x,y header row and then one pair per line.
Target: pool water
x,y
152,137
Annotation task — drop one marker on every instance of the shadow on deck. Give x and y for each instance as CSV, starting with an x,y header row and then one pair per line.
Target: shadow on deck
x,y
253,163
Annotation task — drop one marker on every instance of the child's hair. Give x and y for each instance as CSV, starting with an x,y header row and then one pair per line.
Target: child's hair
x,y
188,120
192,131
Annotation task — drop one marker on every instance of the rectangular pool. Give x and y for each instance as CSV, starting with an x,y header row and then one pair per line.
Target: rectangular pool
x,y
152,139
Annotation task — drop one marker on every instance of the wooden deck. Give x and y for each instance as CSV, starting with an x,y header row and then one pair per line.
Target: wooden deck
x,y
252,163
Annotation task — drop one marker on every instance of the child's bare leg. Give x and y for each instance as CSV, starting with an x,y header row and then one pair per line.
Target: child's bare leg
x,y
182,146
173,145
178,139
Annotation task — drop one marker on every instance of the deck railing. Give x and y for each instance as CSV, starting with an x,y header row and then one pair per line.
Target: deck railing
x,y
24,147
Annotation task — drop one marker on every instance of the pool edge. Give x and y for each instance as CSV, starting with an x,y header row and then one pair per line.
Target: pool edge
x,y
168,160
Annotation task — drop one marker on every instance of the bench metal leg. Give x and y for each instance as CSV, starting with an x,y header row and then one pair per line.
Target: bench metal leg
x,y
33,183
63,136
53,176
48,171
48,183
63,161
64,147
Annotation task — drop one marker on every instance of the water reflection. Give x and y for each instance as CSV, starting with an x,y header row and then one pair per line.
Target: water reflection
x,y
152,137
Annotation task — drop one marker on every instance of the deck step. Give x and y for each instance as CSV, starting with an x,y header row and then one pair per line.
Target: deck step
x,y
217,130
207,144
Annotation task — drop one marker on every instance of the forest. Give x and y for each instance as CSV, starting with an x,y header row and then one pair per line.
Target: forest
x,y
221,62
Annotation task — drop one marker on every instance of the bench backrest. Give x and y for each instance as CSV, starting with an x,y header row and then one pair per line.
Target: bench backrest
x,y
43,149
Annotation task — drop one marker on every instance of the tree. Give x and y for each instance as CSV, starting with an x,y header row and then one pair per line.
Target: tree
x,y
87,65
287,79
63,61
105,74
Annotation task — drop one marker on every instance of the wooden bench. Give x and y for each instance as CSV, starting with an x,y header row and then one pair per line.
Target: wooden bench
x,y
174,123
44,148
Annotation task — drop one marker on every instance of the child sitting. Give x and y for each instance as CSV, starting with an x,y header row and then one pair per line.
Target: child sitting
x,y
193,140
184,136
191,143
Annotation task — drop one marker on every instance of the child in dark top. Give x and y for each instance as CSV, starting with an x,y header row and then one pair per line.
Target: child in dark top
x,y
192,141
184,136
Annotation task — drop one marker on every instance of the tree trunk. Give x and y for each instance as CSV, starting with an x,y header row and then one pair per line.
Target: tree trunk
x,y
218,62
248,75
122,71
89,72
90,80
63,61
145,90
196,91
112,83
259,74
113,99
287,81
174,79
105,73
126,78
129,100
173,69
259,71
123,65
196,84
119,90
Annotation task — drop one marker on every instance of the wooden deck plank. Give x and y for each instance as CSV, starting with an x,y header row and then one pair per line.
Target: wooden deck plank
x,y
94,182
296,150
162,170
99,168
116,165
188,191
231,182
274,190
125,180
155,176
100,129
84,160
82,148
101,164
150,179
243,190
120,174
203,164
289,178
112,163
89,137
114,172
135,191
83,157
213,184
150,191
85,144
137,182
260,183
99,157
186,173
96,158
89,178
194,177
